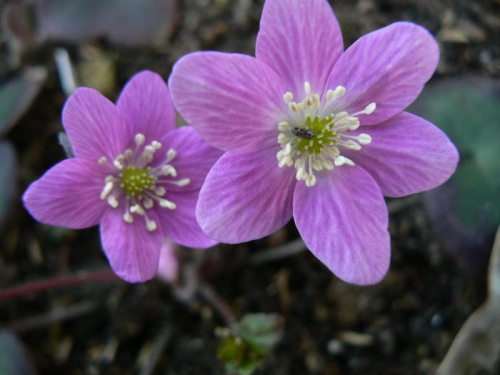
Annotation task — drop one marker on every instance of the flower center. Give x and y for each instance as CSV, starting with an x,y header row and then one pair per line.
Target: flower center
x,y
314,135
135,180
139,183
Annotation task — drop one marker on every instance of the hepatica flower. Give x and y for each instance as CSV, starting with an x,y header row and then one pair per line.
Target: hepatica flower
x,y
316,133
133,173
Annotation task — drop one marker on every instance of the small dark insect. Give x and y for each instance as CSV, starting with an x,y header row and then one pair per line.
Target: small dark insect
x,y
303,132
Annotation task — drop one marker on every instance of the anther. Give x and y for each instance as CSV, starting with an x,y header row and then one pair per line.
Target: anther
x,y
112,201
107,188
287,98
139,139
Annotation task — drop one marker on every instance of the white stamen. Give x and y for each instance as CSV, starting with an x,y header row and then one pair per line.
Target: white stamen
x,y
128,217
370,108
287,98
107,188
148,203
112,201
150,224
364,139
167,204
139,139
319,148
284,126
103,160
160,191
137,209
171,154
307,88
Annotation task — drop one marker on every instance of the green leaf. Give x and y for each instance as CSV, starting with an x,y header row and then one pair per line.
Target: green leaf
x,y
466,210
129,23
261,331
17,94
8,179
257,335
13,358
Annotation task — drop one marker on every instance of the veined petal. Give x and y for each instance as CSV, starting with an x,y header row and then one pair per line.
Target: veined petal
x,y
343,221
407,155
232,100
145,101
300,40
194,157
180,225
67,195
132,250
245,197
94,126
388,67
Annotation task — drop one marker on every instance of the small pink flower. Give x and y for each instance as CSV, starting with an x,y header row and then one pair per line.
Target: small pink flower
x,y
133,173
316,133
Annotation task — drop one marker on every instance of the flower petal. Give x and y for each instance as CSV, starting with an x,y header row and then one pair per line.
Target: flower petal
x,y
407,155
94,126
132,250
194,157
145,101
300,40
180,225
67,195
343,221
168,267
389,67
232,100
245,197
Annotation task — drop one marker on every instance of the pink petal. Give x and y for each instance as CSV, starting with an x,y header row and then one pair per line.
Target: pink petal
x,y
180,225
168,268
389,67
132,250
145,102
194,157
343,221
233,100
407,155
245,197
300,40
67,195
94,126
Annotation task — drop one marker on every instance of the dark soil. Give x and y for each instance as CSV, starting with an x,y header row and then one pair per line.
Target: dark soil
x,y
404,325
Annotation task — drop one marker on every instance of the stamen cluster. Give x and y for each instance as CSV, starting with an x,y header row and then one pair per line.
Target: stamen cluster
x,y
138,183
311,139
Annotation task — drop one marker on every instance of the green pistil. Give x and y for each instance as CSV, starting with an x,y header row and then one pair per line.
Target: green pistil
x,y
136,180
323,134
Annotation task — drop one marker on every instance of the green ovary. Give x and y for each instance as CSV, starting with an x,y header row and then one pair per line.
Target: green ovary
x,y
136,180
323,134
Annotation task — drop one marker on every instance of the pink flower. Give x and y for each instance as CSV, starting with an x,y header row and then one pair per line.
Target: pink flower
x,y
316,133
133,173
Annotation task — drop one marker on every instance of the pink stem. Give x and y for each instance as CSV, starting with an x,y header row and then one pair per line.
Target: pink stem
x,y
57,282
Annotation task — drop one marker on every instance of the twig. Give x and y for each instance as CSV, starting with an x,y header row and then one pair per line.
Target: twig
x,y
54,316
57,282
280,252
209,295
160,342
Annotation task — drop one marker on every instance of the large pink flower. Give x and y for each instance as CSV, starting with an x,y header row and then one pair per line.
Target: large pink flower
x,y
316,133
133,173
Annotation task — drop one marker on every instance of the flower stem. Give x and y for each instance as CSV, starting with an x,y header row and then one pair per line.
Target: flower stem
x,y
211,296
57,283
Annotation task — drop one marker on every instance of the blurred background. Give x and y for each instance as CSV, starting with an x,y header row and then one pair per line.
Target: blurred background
x,y
79,319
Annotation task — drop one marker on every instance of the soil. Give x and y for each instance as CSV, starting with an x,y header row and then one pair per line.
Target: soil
x,y
404,325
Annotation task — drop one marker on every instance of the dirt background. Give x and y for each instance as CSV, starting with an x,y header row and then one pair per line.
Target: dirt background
x,y
404,325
